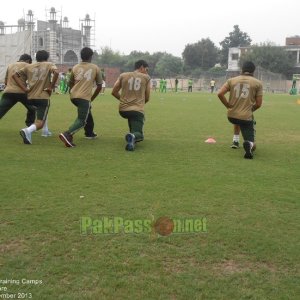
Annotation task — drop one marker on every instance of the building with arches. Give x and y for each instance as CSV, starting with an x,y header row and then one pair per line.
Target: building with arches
x,y
53,35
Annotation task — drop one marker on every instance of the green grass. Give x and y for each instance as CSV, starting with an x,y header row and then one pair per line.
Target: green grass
x,y
250,249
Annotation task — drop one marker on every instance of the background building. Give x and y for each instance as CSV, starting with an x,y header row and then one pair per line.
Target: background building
x,y
272,82
53,35
292,44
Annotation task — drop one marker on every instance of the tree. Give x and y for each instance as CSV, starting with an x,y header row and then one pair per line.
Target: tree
x,y
155,58
270,57
151,59
168,66
110,58
96,58
236,38
202,54
135,56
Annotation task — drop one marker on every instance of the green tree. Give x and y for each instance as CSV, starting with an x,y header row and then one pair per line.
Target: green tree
x,y
155,58
108,57
203,55
133,57
270,57
152,60
168,66
217,71
96,58
236,38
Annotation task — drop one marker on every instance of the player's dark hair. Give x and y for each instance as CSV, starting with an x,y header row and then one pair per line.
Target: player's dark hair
x,y
248,67
140,63
86,53
42,55
25,57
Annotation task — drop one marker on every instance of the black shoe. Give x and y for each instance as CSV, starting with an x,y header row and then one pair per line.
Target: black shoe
x,y
91,136
67,139
248,150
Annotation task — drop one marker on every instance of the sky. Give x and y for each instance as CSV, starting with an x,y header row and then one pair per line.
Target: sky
x,y
165,25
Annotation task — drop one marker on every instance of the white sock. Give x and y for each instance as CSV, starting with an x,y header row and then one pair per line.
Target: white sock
x,y
251,143
236,138
45,127
31,128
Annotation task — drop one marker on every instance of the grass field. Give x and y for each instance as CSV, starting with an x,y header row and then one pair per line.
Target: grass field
x,y
249,250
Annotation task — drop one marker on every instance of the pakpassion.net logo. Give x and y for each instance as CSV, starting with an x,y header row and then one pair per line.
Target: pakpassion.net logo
x,y
163,225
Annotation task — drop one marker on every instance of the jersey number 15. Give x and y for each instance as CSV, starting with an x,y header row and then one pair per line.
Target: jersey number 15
x,y
242,90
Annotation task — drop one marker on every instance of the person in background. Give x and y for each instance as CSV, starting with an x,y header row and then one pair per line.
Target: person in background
x,y
67,80
164,86
161,83
154,85
190,85
103,81
212,85
176,85
62,83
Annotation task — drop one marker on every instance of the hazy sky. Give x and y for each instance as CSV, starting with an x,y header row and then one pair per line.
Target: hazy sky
x,y
162,25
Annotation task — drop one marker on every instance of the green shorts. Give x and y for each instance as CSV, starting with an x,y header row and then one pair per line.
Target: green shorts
x,y
42,108
247,128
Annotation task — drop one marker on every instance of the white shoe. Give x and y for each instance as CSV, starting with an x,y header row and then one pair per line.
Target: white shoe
x,y
26,136
130,139
46,133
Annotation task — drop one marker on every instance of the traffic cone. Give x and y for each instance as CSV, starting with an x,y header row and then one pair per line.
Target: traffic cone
x,y
210,140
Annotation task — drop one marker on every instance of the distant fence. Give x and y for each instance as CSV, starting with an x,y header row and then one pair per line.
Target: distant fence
x,y
272,82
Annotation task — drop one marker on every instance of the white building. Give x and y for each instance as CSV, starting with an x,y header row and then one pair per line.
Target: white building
x,y
53,35
292,44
